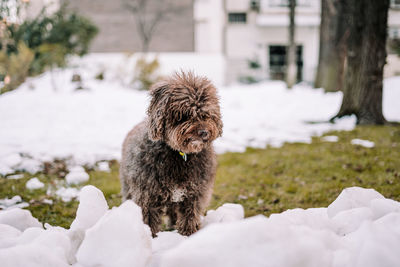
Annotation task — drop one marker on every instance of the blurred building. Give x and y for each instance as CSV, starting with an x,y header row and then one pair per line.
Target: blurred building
x,y
250,34
254,33
118,31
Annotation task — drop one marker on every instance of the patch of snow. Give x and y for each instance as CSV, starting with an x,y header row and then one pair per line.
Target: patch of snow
x,y
125,225
31,166
360,228
5,169
92,206
164,242
67,194
77,175
364,143
15,176
103,166
253,242
12,159
34,183
226,213
351,198
14,202
19,219
330,138
47,201
348,221
8,232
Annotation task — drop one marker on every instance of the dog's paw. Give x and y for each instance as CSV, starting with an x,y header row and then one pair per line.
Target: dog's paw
x,y
188,228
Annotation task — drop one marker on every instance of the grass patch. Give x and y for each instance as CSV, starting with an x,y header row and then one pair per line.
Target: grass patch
x,y
264,181
309,175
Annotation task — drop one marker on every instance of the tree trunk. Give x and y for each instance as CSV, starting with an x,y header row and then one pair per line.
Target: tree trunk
x,y
332,49
366,57
291,72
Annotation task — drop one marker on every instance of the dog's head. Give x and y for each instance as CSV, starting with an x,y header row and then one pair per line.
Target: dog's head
x,y
184,112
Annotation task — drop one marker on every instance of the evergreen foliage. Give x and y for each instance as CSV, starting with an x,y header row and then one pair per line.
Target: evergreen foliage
x,y
51,38
146,73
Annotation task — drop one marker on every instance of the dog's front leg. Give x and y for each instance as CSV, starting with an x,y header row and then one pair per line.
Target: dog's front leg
x,y
188,221
152,217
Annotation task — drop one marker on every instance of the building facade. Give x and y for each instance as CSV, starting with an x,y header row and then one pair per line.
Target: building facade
x,y
118,31
253,36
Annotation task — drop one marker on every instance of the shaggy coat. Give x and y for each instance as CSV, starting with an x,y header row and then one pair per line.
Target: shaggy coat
x,y
168,163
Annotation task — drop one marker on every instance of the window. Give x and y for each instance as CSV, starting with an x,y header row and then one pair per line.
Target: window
x,y
395,3
393,33
277,62
285,3
237,17
393,41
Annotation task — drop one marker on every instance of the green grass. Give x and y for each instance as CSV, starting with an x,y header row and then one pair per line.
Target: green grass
x,y
264,181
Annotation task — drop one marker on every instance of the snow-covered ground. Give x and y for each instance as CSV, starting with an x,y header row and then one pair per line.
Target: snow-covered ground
x,y
39,122
360,228
43,120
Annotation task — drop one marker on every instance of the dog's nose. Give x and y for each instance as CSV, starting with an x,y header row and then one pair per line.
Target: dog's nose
x,y
203,133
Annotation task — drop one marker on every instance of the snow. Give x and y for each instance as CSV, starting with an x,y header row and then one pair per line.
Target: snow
x,y
14,202
91,208
330,138
353,197
103,166
364,143
67,193
19,219
77,175
226,213
15,176
360,228
119,238
34,183
89,126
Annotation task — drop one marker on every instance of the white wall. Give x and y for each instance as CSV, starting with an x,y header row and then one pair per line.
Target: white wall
x,y
237,5
209,22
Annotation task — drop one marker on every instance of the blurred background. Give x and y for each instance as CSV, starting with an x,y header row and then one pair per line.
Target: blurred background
x,y
237,40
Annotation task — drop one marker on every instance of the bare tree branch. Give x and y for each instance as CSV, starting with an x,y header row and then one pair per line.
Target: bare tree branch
x,y
149,14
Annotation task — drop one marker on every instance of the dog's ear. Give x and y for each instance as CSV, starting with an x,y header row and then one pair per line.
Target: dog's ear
x,y
159,93
219,127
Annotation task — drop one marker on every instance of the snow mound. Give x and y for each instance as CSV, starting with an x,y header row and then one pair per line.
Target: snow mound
x,y
77,175
67,194
34,183
330,138
360,228
92,206
226,213
14,202
352,197
364,143
119,238
15,176
19,219
103,166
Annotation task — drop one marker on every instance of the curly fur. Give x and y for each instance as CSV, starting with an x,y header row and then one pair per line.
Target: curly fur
x,y
183,116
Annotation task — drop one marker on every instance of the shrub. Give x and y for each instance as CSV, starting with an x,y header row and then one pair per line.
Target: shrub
x,y
146,73
62,33
51,38
15,68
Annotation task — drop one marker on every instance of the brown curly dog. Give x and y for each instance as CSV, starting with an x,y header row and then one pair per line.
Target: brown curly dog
x,y
168,163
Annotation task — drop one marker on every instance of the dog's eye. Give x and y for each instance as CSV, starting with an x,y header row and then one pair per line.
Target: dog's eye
x,y
181,117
